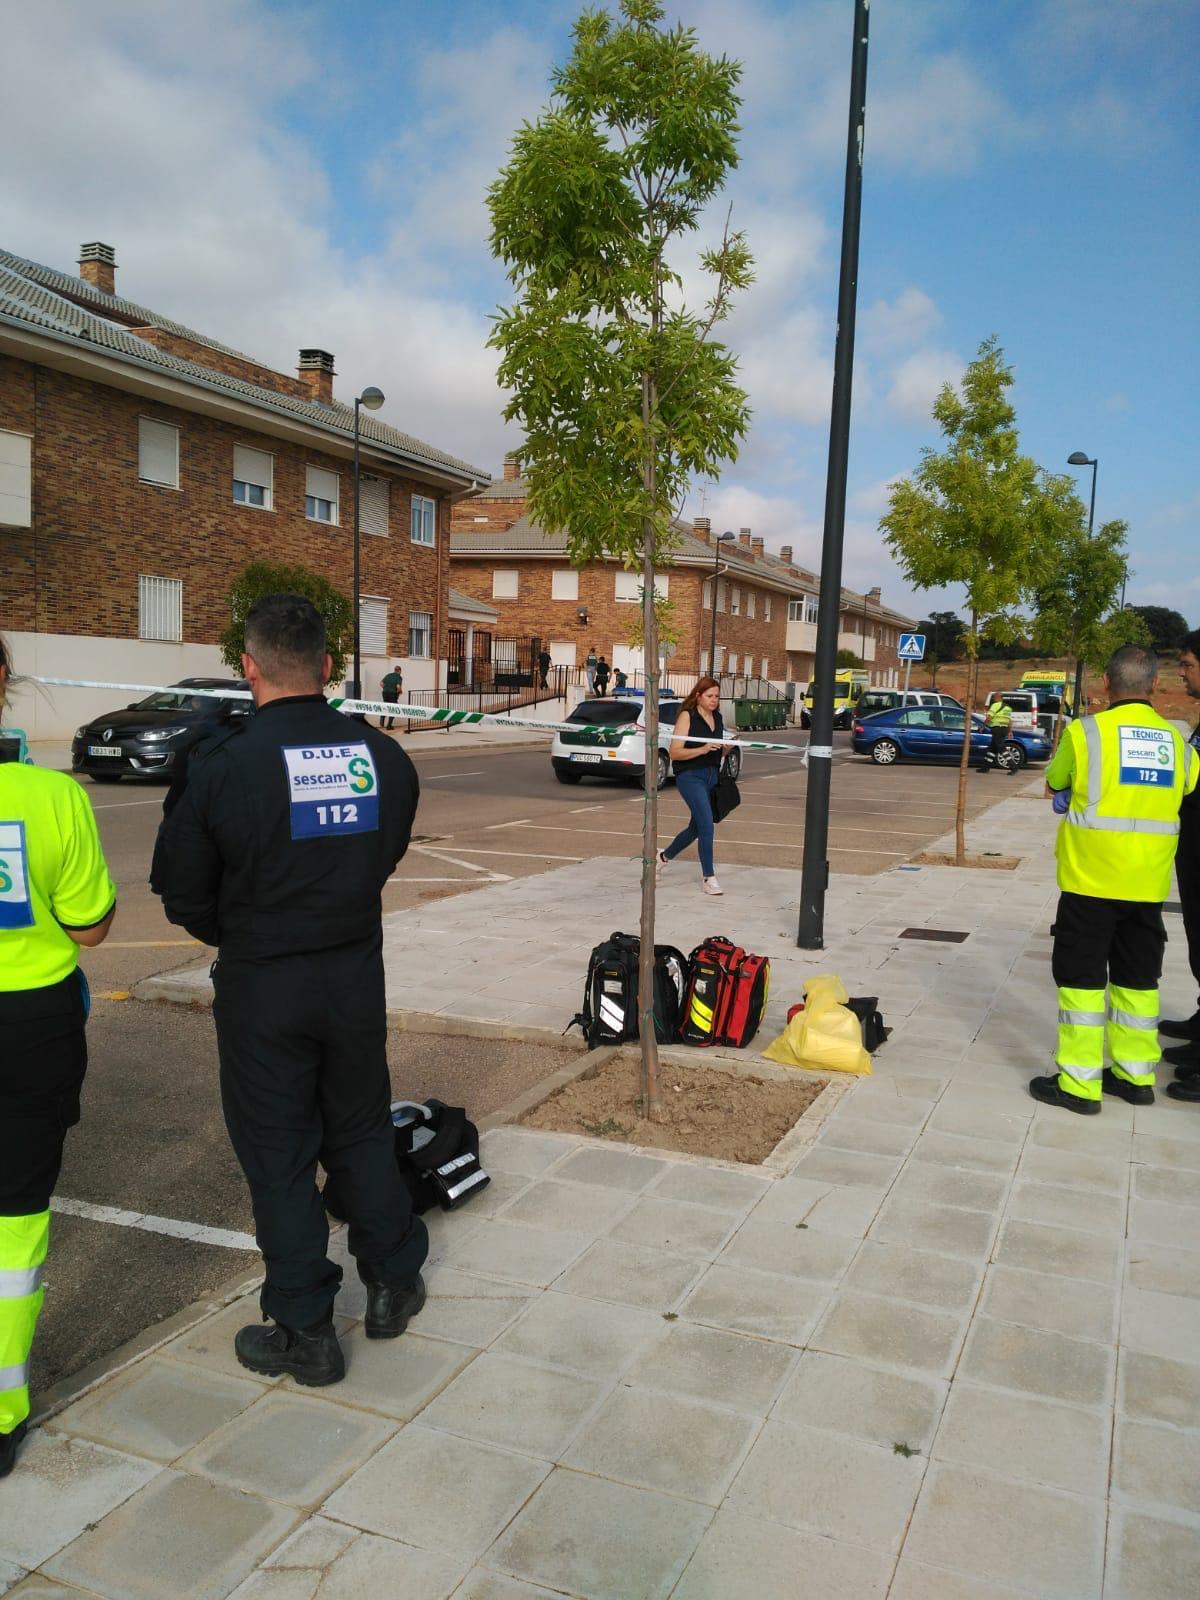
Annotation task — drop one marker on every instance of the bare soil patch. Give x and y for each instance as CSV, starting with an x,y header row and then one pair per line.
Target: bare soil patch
x,y
929,858
733,1116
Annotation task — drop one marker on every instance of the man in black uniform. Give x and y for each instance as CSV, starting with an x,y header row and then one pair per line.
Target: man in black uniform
x,y
1185,1057
277,852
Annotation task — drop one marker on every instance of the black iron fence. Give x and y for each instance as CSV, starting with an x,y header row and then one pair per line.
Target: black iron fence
x,y
494,698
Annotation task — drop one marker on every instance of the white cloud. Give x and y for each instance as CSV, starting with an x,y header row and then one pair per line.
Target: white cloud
x,y
935,118
917,381
891,325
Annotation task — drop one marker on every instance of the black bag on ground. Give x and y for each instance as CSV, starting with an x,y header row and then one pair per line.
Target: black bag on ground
x,y
868,1013
610,995
437,1151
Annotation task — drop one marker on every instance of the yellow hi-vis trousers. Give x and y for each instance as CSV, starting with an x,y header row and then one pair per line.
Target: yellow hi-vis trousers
x,y
23,1245
1130,1019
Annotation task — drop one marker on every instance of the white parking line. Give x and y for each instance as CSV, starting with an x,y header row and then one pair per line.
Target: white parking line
x,y
437,777
520,822
193,1232
118,805
521,855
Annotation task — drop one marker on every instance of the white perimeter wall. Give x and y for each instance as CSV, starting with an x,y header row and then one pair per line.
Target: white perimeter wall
x,y
51,713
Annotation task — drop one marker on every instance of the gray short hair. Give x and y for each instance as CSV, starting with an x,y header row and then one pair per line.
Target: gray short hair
x,y
1132,670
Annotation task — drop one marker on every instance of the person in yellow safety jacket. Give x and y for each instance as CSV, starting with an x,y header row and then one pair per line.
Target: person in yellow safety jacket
x,y
999,720
1126,771
55,895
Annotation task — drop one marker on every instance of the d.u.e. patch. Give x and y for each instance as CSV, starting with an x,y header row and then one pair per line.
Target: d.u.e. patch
x,y
333,789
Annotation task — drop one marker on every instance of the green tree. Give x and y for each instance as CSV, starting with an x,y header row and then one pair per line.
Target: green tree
x,y
623,394
270,577
943,632
847,658
980,514
1167,628
1075,600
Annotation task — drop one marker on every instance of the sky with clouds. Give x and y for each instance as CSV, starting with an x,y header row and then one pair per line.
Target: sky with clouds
x,y
283,175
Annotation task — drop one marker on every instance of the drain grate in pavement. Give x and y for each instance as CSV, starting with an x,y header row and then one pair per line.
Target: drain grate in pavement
x,y
935,935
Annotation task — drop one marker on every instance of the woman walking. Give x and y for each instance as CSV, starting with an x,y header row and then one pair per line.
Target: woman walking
x,y
697,767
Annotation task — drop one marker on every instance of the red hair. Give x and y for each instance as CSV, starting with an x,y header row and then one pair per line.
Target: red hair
x,y
701,686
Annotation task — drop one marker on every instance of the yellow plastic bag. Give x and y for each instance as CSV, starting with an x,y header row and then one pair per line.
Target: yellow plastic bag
x,y
825,1036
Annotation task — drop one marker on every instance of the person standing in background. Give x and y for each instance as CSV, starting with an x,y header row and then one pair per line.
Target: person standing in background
x,y
390,690
697,769
589,669
602,671
55,895
999,720
1185,1056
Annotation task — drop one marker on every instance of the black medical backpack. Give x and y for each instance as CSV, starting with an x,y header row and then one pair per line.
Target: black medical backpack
x,y
610,994
437,1152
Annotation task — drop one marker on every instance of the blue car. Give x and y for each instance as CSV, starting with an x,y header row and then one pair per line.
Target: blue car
x,y
935,733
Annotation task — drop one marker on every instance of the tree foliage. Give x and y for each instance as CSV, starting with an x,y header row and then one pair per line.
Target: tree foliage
x,y
1076,598
270,577
944,631
848,658
623,394
980,514
1167,629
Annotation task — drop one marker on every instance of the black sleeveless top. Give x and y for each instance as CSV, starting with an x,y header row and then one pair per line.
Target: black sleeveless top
x,y
700,729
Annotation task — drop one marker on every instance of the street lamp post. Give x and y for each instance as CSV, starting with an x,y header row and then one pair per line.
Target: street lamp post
x,y
712,652
372,399
1078,459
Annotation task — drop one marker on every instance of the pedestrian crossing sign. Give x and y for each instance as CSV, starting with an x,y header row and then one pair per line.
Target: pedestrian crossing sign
x,y
912,647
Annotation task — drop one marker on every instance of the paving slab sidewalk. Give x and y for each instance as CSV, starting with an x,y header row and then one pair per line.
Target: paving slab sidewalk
x,y
973,1373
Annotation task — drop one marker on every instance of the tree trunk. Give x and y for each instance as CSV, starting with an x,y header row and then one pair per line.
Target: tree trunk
x,y
964,764
650,1094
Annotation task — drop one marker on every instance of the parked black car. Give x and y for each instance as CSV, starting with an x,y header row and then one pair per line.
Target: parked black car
x,y
151,737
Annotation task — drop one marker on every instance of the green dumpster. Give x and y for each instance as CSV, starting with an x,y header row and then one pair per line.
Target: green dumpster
x,y
743,713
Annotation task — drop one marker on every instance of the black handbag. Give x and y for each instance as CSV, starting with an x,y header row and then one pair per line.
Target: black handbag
x,y
725,796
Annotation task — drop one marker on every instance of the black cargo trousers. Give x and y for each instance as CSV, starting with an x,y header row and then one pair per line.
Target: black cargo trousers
x,y
304,1077
1187,873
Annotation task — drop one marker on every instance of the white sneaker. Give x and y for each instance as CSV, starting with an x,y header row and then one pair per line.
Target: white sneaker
x,y
661,864
711,886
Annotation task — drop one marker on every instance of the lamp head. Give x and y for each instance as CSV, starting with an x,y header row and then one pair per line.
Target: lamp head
x,y
721,537
371,398
1078,459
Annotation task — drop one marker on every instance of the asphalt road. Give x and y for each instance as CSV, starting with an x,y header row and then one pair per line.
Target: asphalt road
x,y
152,1142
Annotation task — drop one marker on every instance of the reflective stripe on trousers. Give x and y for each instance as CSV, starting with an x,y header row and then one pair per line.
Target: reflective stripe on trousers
x,y
23,1244
1080,1052
1133,1033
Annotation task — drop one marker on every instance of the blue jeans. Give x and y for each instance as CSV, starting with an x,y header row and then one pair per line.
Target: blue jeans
x,y
695,785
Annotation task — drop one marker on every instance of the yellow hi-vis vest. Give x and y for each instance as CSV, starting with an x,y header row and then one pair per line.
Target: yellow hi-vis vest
x,y
999,715
1128,770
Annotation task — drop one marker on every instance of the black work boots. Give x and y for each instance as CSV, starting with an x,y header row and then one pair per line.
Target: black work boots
x,y
1185,1028
389,1309
8,1448
310,1355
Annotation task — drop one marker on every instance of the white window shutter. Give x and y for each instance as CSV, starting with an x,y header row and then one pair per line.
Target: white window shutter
x,y
504,584
158,452
16,480
373,506
320,484
626,586
564,584
373,625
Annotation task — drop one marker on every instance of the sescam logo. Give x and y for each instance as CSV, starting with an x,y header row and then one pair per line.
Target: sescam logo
x,y
1147,757
16,910
333,789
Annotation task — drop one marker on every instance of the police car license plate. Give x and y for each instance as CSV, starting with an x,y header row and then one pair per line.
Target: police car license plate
x,y
576,756
103,750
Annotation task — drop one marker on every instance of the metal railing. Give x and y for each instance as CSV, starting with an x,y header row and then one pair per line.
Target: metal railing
x,y
508,698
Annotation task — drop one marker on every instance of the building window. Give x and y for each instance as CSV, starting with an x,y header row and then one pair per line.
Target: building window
x,y
735,601
719,660
704,663
505,582
420,633
707,591
766,667
564,584
320,495
253,477
811,606
562,652
733,662
423,519
160,609
721,594
750,603
795,610
766,608
628,586
158,453
374,508
373,625
16,480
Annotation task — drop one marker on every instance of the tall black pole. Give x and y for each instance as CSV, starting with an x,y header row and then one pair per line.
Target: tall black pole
x,y
356,687
1079,659
815,880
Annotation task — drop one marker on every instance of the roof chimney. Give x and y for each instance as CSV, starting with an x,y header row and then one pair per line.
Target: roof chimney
x,y
98,266
744,537
875,594
701,527
316,372
512,466
758,547
785,554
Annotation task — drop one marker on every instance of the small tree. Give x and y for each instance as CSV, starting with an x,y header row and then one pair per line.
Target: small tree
x,y
978,514
1167,629
847,658
666,626
1076,598
268,577
623,394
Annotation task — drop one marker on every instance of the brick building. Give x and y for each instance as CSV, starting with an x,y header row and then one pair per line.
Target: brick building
x,y
143,465
765,604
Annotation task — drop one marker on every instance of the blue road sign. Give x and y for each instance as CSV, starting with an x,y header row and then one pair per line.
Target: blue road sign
x,y
912,647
